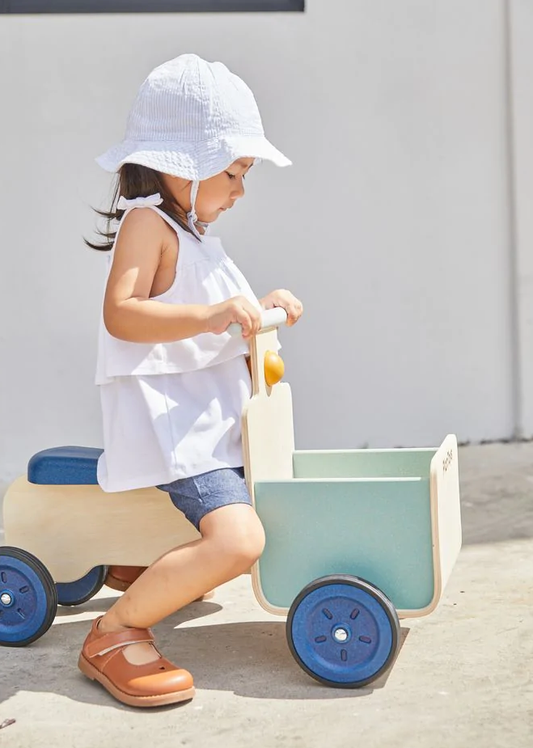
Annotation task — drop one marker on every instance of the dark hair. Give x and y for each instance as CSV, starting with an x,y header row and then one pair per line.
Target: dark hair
x,y
134,181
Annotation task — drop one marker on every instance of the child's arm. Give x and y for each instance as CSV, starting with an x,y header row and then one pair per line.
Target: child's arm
x,y
130,314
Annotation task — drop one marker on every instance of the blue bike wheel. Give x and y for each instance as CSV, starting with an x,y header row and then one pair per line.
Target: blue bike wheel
x,y
343,631
78,592
28,598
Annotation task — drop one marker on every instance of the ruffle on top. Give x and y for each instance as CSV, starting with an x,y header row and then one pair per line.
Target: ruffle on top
x,y
205,275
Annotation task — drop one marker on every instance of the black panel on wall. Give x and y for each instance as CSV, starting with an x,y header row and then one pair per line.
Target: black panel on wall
x,y
149,6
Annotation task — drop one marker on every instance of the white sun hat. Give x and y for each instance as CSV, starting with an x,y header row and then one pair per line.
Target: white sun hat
x,y
192,119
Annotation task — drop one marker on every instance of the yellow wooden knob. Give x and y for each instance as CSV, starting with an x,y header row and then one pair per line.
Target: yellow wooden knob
x,y
274,368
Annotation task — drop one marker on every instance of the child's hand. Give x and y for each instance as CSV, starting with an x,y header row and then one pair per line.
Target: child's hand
x,y
287,301
238,309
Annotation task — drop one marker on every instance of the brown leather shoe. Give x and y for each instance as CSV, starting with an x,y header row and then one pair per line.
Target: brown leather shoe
x,y
121,577
154,684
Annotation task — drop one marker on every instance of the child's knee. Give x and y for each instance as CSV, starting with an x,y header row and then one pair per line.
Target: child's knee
x,y
239,542
243,547
248,548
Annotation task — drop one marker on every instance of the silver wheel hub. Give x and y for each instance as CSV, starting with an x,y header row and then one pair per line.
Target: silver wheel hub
x,y
6,599
341,635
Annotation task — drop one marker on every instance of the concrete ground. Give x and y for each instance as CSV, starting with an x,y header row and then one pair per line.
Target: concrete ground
x,y
463,676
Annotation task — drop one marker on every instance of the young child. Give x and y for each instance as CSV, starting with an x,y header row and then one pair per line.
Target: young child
x,y
173,382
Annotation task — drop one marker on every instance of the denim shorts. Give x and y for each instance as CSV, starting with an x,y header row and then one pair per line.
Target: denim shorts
x,y
201,494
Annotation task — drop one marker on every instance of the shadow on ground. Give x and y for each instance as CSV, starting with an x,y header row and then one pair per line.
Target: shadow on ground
x,y
250,659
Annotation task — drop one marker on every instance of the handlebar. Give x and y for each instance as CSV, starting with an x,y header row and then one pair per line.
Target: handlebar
x,y
269,318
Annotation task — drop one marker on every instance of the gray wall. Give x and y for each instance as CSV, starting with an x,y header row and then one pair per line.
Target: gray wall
x,y
405,224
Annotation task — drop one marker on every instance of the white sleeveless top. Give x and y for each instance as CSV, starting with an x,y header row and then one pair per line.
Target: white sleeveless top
x,y
173,410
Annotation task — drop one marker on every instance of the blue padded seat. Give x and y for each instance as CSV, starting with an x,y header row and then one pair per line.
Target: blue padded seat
x,y
62,466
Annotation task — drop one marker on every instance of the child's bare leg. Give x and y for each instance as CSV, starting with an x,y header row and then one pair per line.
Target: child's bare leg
x,y
232,540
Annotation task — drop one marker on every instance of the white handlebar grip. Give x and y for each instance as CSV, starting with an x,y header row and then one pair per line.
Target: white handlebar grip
x,y
269,318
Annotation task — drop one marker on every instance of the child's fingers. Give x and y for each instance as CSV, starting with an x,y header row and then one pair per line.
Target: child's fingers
x,y
290,303
255,321
249,318
294,310
292,318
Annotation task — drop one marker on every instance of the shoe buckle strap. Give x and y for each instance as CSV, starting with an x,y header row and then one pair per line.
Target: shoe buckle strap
x,y
116,640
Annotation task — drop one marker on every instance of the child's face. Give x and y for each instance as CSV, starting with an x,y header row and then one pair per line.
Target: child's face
x,y
215,195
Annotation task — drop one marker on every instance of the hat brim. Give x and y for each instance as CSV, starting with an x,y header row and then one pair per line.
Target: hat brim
x,y
195,161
